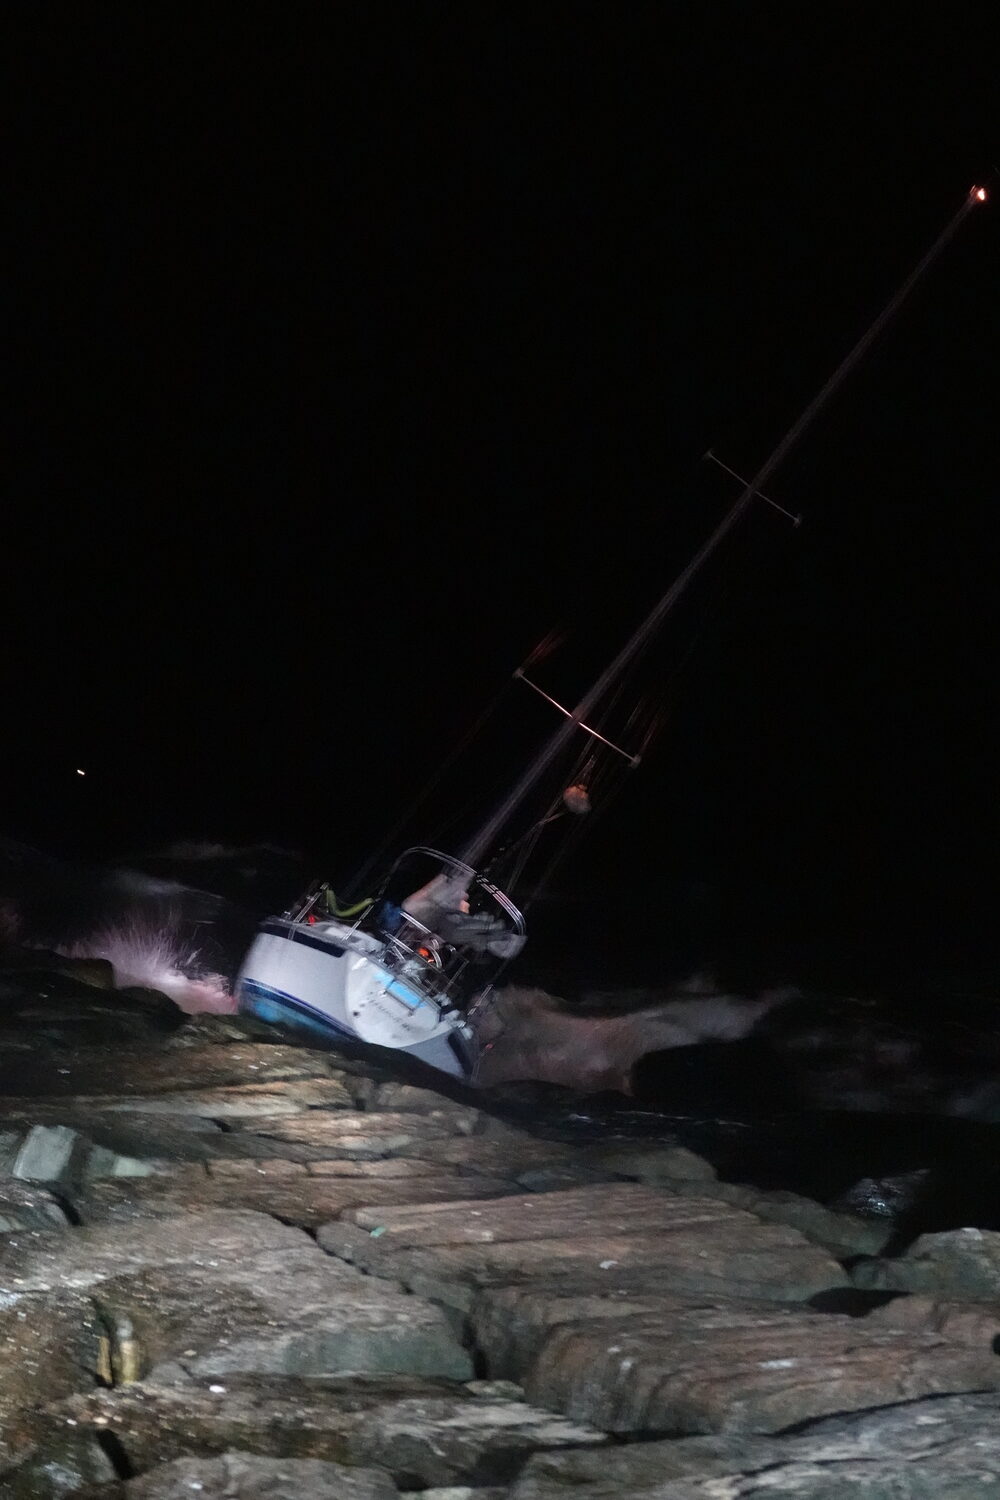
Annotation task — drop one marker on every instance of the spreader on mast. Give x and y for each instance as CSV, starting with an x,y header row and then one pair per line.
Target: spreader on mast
x,y
482,842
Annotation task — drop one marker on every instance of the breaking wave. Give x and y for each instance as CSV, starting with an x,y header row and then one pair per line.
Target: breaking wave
x,y
155,957
537,1036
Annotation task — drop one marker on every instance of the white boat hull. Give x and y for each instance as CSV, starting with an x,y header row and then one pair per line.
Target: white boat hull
x,y
339,983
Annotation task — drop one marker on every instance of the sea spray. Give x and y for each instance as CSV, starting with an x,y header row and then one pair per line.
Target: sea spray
x,y
156,956
534,1035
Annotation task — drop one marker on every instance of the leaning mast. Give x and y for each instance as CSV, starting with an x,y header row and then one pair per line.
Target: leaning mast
x,y
481,843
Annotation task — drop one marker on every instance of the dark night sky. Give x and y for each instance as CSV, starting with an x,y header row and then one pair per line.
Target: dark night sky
x,y
355,347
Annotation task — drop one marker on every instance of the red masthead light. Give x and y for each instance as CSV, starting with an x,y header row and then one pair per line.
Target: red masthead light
x,y
979,193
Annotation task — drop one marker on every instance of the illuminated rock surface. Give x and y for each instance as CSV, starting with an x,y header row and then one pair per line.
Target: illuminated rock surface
x,y
238,1267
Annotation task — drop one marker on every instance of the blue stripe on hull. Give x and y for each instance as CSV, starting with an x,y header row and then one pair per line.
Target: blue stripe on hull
x,y
279,1009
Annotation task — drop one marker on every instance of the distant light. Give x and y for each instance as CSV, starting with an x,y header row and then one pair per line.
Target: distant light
x,y
979,193
79,772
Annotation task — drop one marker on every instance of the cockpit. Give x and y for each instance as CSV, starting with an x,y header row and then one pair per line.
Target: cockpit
x,y
432,916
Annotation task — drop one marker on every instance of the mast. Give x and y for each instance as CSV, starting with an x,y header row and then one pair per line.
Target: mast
x,y
483,840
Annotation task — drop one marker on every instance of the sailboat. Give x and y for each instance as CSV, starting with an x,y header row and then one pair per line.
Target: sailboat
x,y
414,967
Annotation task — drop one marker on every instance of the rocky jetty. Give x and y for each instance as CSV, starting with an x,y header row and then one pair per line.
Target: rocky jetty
x,y
233,1266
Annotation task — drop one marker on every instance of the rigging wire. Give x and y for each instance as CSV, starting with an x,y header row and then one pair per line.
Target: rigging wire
x,y
374,860
601,773
481,842
597,770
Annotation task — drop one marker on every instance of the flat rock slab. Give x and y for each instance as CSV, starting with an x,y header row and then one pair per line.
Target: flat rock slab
x,y
689,1245
50,1345
290,1097
964,1322
677,1170
843,1234
273,1187
130,1070
649,1161
280,1313
729,1369
235,1291
421,1431
58,1153
616,1208
252,1478
88,1256
383,1167
942,1449
503,1158
512,1324
245,1101
24,1205
366,1133
459,1492
408,1097
963,1263
846,1235
113,1137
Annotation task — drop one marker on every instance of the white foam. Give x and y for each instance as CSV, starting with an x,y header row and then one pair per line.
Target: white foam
x,y
154,957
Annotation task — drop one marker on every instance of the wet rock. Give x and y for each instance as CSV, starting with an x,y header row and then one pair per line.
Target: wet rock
x,y
25,1206
59,1154
959,1263
921,1450
459,1492
649,1162
254,1478
384,1167
61,1463
48,1343
512,1323
50,1346
889,1198
289,1192
620,1208
281,1313
627,1287
516,1153
690,1245
424,1432
207,1027
239,1291
681,1171
42,1262
394,1096
649,1471
24,962
267,1099
129,1070
51,1009
842,1234
212,1143
562,1175
736,1370
361,1135
961,1322
440,1440
158,1143
234,1173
